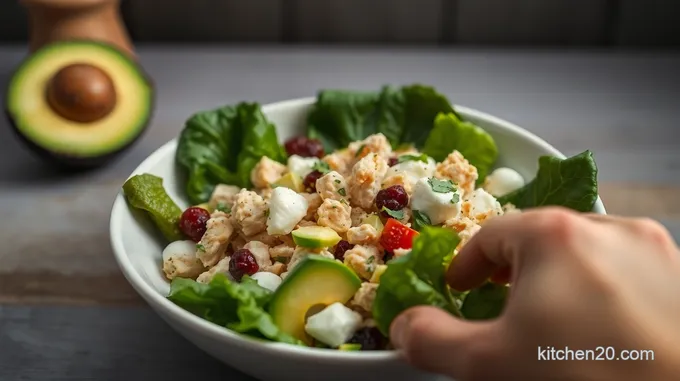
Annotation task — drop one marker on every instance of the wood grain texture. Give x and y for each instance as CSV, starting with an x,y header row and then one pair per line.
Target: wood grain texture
x,y
106,344
649,23
206,20
376,21
560,22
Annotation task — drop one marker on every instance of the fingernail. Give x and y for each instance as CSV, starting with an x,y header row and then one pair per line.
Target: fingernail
x,y
398,331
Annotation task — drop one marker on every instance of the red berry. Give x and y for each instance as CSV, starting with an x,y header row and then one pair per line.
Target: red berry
x,y
242,263
341,248
393,198
193,222
310,181
393,161
305,147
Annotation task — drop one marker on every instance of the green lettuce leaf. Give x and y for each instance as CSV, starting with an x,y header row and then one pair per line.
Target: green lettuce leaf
x,y
450,133
571,183
403,115
485,302
417,278
145,192
222,146
240,307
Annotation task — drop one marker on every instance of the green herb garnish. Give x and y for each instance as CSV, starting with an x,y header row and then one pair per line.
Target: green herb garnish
x,y
321,166
455,198
420,220
441,186
404,158
396,214
360,150
342,192
222,207
200,247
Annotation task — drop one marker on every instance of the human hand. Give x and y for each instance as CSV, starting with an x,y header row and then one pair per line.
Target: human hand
x,y
580,281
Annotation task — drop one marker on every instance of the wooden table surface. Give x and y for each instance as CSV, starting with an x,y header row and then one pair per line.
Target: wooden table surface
x,y
66,312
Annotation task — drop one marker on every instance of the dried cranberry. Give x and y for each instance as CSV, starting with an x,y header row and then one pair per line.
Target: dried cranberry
x,y
310,181
387,256
305,147
393,161
370,339
193,222
341,248
393,198
242,263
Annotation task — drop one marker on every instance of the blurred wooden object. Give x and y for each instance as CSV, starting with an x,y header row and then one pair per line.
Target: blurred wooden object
x,y
56,20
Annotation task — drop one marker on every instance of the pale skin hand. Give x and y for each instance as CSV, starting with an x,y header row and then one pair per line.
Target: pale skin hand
x,y
578,281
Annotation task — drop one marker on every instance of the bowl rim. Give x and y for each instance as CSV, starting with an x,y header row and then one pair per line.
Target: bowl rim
x,y
159,302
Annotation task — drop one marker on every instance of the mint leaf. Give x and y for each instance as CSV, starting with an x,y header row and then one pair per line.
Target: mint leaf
x,y
321,166
420,220
451,133
396,214
441,186
404,158
571,183
416,278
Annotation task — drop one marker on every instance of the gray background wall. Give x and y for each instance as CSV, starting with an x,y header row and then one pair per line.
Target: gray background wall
x,y
497,22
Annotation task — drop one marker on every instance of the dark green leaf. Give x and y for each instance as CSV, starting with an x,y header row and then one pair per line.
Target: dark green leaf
x,y
222,146
475,144
485,302
403,115
416,278
571,183
441,186
422,157
420,220
237,306
396,214
146,193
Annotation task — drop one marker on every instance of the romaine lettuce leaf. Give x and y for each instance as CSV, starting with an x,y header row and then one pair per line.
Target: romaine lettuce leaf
x,y
485,302
240,307
475,144
571,183
417,278
403,115
223,146
145,192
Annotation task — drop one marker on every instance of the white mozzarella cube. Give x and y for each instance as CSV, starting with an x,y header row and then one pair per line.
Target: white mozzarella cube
x,y
438,206
267,280
503,181
334,325
178,249
301,166
286,209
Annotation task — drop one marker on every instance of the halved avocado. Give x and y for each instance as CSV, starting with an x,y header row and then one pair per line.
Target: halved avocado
x,y
79,103
315,282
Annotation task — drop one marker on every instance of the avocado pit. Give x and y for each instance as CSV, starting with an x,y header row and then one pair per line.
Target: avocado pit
x,y
81,93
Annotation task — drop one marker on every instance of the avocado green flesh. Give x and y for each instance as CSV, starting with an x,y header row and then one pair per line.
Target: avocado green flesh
x,y
145,192
314,281
34,120
315,237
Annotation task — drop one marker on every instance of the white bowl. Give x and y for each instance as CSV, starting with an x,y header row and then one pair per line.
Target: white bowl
x,y
138,251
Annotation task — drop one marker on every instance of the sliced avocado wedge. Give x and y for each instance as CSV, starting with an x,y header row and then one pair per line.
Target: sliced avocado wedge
x,y
79,103
290,180
315,281
315,237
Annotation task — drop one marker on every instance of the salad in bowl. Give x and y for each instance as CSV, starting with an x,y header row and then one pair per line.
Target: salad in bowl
x,y
323,239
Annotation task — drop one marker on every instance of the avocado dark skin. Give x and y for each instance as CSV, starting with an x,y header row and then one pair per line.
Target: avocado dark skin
x,y
81,94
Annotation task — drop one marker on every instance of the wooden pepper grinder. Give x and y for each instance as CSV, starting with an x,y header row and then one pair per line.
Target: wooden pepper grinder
x,y
59,20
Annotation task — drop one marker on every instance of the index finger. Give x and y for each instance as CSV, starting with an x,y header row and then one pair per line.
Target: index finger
x,y
508,241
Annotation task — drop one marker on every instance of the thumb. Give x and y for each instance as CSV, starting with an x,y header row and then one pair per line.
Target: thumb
x,y
434,341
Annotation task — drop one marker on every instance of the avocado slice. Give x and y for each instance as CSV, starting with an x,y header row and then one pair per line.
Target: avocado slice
x,y
79,103
315,237
290,180
315,281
